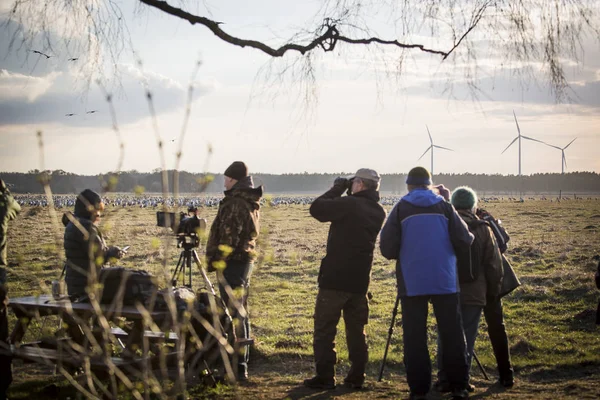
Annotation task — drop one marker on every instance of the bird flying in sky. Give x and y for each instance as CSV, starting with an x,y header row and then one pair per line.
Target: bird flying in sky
x,y
42,54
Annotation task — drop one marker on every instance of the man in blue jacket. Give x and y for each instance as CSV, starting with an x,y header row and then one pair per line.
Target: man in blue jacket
x,y
421,233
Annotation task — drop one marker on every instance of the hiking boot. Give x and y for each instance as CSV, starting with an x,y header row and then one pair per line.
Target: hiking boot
x,y
507,382
442,387
354,385
316,382
460,394
242,374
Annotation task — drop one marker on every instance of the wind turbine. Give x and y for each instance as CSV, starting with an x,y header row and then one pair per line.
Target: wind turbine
x,y
519,137
431,147
564,159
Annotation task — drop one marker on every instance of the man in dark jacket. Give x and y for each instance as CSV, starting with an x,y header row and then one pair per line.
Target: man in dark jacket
x,y
85,248
230,249
345,273
473,295
9,209
421,233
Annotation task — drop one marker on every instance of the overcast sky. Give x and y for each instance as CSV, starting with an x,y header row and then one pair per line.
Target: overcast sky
x,y
359,116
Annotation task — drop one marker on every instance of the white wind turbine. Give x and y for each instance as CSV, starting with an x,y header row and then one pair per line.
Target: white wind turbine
x,y
431,147
519,137
564,159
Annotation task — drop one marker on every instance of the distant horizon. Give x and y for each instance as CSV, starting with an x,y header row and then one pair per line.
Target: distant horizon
x,y
340,173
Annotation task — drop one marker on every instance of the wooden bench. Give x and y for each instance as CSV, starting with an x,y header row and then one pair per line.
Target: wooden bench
x,y
31,353
171,336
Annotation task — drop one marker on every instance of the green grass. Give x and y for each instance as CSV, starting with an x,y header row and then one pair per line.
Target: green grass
x,y
550,321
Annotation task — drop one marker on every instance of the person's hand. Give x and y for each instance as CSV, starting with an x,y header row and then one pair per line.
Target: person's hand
x,y
341,182
443,191
114,252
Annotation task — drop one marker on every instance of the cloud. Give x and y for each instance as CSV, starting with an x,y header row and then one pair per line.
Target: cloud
x,y
54,97
18,87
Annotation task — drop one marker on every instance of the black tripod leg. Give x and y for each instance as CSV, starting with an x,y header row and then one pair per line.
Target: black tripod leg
x,y
389,339
188,262
178,268
480,366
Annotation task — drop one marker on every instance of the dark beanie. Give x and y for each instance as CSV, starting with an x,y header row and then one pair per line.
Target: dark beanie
x,y
464,198
237,170
87,201
418,176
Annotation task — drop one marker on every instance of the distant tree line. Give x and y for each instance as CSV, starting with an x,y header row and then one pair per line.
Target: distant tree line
x,y
62,182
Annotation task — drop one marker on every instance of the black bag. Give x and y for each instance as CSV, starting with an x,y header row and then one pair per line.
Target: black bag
x,y
510,281
468,260
500,233
130,285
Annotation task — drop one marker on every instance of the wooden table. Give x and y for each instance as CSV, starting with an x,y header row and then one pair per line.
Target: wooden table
x,y
30,308
75,352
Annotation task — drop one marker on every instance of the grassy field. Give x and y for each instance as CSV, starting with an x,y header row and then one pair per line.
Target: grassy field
x,y
555,345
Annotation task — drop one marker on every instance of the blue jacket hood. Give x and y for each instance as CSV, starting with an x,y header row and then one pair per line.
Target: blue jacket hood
x,y
422,198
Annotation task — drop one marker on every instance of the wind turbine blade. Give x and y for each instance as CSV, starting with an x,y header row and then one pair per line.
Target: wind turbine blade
x,y
511,143
564,159
556,147
424,153
430,139
517,122
534,140
569,144
440,147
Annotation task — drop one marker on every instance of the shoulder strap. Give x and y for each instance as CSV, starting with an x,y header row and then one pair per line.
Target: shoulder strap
x,y
476,222
64,269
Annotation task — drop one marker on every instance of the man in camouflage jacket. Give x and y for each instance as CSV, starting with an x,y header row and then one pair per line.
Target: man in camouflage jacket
x,y
230,249
9,209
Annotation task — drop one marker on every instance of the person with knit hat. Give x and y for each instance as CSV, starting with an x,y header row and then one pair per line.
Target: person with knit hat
x,y
85,249
487,270
421,233
345,273
231,249
9,209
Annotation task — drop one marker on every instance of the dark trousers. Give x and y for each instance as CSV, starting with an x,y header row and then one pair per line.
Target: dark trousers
x,y
328,309
497,331
237,276
416,353
5,357
470,317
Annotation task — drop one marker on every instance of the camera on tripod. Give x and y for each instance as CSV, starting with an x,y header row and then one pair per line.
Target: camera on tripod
x,y
187,228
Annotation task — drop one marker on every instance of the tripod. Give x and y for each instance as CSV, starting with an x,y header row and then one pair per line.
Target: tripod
x,y
189,254
185,261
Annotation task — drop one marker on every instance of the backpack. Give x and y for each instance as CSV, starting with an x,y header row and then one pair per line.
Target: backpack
x,y
500,233
468,260
138,285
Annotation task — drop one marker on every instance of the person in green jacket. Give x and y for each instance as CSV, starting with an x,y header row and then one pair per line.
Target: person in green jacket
x,y
9,209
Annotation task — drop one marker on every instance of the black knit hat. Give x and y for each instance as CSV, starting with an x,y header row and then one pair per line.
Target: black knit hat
x,y
418,176
86,202
237,170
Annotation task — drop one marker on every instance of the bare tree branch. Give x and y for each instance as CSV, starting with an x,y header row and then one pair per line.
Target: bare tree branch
x,y
326,41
